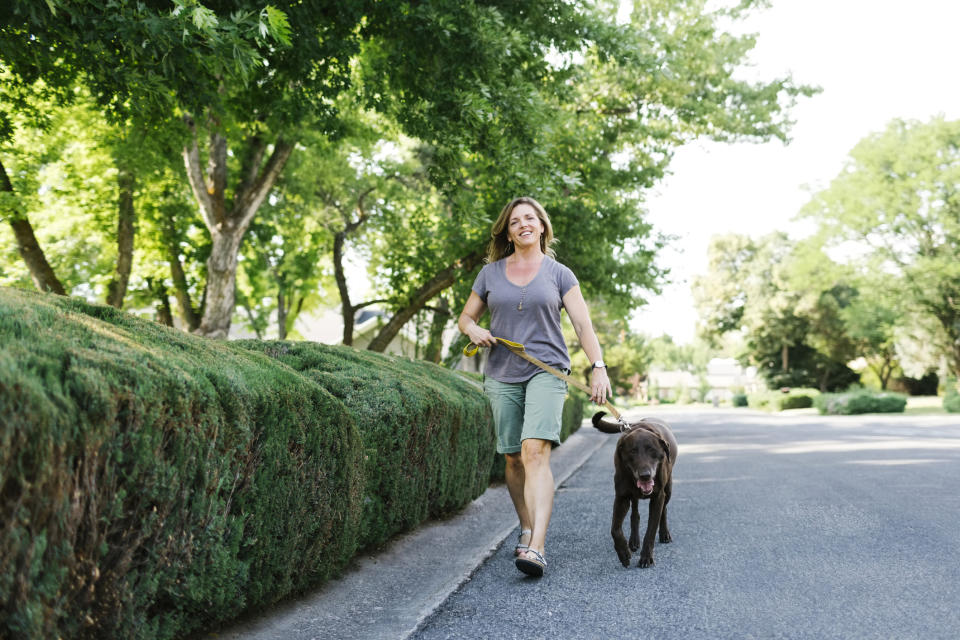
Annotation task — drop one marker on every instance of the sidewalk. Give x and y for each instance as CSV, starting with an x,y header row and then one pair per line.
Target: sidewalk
x,y
387,595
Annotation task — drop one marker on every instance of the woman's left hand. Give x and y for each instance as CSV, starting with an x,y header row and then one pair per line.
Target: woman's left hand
x,y
600,385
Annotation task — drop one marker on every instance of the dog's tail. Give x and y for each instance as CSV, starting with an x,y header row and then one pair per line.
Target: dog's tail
x,y
605,425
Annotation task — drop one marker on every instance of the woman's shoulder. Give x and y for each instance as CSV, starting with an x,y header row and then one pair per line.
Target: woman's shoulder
x,y
556,266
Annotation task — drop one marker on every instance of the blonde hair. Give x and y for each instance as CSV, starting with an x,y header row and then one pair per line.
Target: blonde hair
x,y
500,245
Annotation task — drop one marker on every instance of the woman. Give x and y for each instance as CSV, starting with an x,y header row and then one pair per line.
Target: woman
x,y
525,289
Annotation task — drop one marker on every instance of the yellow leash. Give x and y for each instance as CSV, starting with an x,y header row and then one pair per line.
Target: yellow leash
x,y
471,350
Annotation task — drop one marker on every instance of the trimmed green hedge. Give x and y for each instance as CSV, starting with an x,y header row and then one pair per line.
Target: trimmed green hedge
x,y
153,483
861,401
775,400
428,443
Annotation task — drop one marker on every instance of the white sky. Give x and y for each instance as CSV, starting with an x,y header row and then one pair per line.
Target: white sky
x,y
875,60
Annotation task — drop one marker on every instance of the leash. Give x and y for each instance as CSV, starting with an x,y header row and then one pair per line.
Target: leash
x,y
515,347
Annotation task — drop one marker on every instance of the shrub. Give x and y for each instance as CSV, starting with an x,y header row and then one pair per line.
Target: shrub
x,y
860,401
739,400
951,397
427,434
776,400
154,483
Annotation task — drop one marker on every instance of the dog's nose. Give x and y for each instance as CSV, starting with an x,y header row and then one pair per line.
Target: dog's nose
x,y
645,476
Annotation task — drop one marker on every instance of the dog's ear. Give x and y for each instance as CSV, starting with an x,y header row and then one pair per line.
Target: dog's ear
x,y
664,445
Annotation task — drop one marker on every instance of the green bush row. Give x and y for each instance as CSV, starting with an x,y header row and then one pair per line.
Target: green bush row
x,y
775,400
951,397
860,401
153,483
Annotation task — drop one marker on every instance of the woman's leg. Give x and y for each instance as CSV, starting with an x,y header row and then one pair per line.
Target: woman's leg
x,y
537,488
515,483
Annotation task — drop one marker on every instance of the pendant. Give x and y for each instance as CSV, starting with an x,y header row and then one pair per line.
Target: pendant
x,y
520,307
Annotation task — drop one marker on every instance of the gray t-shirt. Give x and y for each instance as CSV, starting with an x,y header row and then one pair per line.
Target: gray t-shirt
x,y
529,315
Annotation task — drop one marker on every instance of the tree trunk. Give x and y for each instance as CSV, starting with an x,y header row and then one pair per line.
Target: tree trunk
x,y
44,279
126,220
785,357
281,311
228,224
434,351
422,296
159,290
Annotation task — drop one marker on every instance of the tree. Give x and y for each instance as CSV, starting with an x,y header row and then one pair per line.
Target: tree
x,y
898,199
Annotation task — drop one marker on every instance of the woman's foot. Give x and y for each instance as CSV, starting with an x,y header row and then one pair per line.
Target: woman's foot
x,y
531,563
522,545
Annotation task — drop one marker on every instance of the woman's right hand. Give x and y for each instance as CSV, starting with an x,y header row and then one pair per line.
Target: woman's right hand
x,y
480,336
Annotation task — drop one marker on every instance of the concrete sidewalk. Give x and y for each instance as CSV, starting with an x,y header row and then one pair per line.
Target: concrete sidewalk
x,y
389,594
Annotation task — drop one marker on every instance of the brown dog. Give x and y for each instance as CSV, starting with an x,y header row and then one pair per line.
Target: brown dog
x,y
643,470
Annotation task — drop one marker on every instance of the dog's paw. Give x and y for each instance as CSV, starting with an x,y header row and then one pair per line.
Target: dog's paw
x,y
665,537
634,543
625,559
645,561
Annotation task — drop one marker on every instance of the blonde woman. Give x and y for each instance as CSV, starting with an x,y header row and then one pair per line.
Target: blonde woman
x,y
525,288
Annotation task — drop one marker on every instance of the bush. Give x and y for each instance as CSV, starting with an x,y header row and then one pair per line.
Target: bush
x,y
776,400
153,483
951,397
739,400
427,434
860,401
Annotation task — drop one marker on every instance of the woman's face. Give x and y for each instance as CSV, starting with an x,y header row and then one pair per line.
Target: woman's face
x,y
524,227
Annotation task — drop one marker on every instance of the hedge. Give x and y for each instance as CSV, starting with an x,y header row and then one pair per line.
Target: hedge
x,y
428,443
860,401
776,400
153,484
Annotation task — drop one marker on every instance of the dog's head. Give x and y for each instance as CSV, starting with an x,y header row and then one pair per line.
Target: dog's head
x,y
642,453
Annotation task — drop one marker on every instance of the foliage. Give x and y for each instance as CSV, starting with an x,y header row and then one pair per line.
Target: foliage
x,y
428,444
860,401
951,397
788,302
155,483
781,400
897,201
739,400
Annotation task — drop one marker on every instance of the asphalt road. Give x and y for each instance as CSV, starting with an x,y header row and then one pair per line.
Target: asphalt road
x,y
784,527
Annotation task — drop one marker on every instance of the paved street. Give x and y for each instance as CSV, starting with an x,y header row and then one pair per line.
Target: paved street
x,y
784,527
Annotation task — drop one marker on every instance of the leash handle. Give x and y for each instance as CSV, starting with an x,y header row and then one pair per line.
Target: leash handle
x,y
515,347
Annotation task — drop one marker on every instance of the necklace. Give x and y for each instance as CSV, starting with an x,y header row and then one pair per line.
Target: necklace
x,y
523,294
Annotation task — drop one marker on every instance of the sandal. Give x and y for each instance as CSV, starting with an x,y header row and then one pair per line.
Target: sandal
x,y
531,563
521,548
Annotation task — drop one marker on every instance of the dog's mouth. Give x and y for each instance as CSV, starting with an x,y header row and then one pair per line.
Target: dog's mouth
x,y
646,486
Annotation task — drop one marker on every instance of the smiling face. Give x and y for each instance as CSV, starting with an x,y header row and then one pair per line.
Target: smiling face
x,y
524,227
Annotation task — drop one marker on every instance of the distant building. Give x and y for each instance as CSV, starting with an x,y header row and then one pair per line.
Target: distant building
x,y
723,378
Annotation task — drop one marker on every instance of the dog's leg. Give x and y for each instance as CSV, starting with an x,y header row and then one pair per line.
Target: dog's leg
x,y
653,521
620,506
634,524
665,536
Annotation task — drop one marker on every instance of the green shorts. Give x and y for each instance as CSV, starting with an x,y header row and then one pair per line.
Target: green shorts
x,y
531,409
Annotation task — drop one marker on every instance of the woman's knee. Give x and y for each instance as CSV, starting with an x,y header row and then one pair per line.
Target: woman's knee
x,y
535,452
514,461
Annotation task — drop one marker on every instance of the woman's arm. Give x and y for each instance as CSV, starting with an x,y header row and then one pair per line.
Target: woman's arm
x,y
472,311
576,307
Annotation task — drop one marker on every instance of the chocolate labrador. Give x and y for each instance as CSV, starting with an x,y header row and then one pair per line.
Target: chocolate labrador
x,y
643,470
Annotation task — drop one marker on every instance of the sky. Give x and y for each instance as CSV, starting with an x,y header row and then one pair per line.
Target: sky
x,y
875,60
